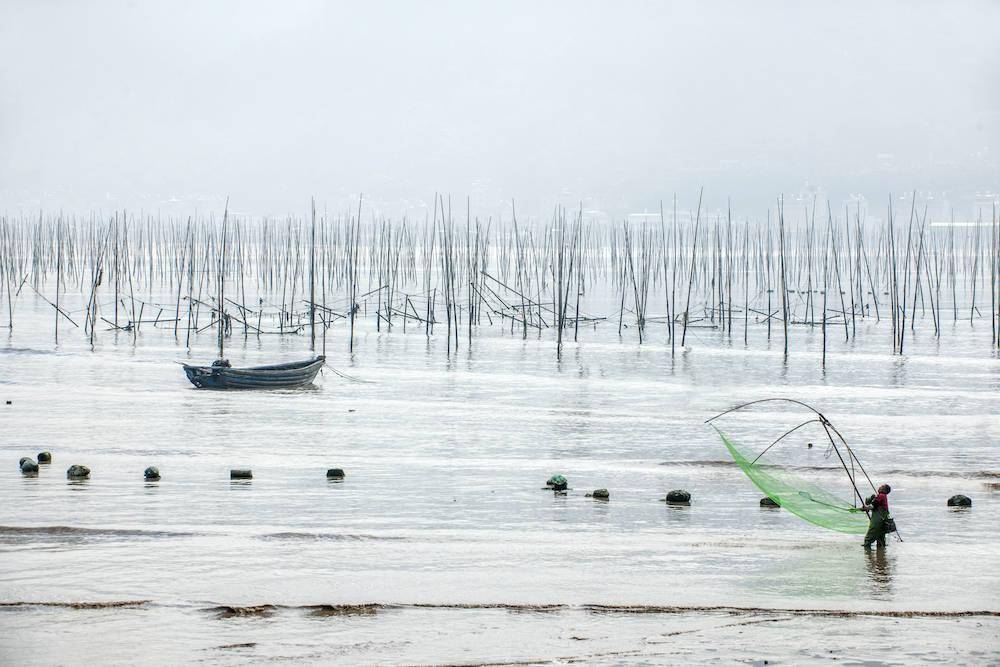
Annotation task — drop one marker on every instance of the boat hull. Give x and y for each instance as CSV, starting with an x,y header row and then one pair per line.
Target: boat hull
x,y
278,376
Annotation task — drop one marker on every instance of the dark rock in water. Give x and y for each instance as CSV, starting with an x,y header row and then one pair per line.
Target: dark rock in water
x,y
152,473
601,494
557,483
28,466
335,473
767,501
240,474
78,472
44,457
678,497
960,501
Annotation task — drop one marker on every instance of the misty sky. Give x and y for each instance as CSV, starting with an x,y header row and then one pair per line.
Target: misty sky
x,y
175,105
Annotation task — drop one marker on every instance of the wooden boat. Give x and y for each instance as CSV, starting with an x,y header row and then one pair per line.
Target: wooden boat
x,y
220,375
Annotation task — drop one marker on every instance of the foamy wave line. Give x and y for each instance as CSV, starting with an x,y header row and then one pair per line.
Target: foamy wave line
x,y
369,608
795,611
322,537
112,604
74,531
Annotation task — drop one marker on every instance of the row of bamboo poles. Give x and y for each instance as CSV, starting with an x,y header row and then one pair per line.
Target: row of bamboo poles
x,y
676,271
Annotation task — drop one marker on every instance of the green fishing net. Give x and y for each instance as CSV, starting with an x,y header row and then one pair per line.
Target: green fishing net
x,y
798,496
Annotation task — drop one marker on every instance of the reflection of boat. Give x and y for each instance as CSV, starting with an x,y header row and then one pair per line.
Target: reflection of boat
x,y
220,375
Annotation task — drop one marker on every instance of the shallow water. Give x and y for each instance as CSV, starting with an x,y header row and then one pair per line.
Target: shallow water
x,y
442,502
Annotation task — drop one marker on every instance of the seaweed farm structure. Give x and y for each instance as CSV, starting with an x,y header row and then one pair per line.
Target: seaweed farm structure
x,y
222,375
454,275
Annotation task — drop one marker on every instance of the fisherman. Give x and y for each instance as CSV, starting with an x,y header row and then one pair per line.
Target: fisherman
x,y
878,505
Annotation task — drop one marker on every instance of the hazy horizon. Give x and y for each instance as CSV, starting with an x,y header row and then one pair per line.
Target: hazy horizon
x,y
173,107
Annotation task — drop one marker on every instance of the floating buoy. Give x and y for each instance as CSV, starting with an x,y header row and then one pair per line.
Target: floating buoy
x,y
335,473
78,472
678,497
557,483
151,474
28,466
241,474
960,501
44,457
